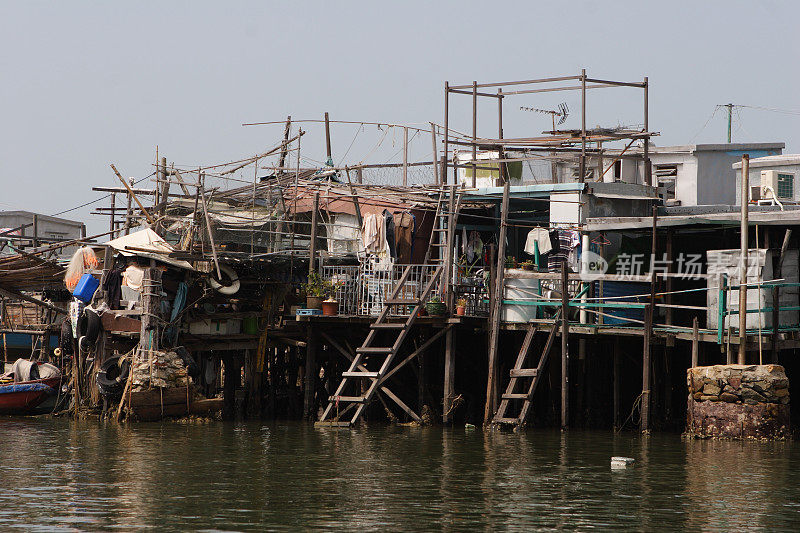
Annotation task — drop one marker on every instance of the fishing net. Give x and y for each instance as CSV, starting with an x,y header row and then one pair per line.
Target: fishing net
x,y
82,260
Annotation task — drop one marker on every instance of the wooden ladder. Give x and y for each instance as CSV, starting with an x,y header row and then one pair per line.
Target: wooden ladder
x,y
367,355
448,206
519,374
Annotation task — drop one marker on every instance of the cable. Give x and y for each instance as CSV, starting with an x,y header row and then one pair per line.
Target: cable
x,y
706,124
97,200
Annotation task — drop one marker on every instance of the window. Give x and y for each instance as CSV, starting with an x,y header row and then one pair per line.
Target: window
x,y
666,176
785,186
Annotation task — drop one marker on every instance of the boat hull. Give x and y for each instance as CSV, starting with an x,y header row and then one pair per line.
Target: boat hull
x,y
24,397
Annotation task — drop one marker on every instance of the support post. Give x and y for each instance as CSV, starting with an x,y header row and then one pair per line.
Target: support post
x,y
695,342
446,131
309,405
405,156
564,346
36,229
328,140
229,385
616,385
582,166
474,133
648,172
648,331
312,251
285,146
435,157
497,305
162,206
128,210
449,377
743,261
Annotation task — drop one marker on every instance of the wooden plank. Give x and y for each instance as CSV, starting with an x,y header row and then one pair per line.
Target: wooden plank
x,y
523,372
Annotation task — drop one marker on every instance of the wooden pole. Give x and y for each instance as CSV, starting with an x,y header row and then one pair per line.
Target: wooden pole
x,y
449,377
695,342
648,172
405,156
355,198
111,217
209,230
128,211
474,132
743,264
564,346
285,145
328,139
776,317
497,305
310,374
582,165
36,230
162,204
648,331
312,251
435,157
446,131
616,385
150,219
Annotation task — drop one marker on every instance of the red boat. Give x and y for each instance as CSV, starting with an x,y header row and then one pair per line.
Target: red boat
x,y
23,397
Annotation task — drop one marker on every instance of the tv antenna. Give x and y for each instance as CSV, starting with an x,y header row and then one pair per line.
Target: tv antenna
x,y
561,113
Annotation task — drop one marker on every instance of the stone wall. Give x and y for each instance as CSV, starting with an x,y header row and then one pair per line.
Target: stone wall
x,y
738,401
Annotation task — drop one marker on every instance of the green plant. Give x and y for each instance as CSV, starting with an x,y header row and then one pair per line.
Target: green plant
x,y
317,287
461,302
435,299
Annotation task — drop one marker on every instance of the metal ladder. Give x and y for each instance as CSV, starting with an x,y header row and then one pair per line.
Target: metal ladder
x,y
519,374
368,355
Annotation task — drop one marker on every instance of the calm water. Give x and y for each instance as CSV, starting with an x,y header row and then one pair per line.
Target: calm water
x,y
62,475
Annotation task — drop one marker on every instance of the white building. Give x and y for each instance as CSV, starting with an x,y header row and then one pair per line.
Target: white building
x,y
777,174
688,175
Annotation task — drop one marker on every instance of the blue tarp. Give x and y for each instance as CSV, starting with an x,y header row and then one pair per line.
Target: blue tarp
x,y
25,387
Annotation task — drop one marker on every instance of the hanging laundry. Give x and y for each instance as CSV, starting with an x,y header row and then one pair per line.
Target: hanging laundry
x,y
474,246
133,277
540,236
404,236
373,233
388,221
568,242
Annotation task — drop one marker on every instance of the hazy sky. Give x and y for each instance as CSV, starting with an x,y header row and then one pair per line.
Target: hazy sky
x,y
85,84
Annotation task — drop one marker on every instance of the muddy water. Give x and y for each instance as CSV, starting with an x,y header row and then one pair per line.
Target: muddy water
x,y
62,475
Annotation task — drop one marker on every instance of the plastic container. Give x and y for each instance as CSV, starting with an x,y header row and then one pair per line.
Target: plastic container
x,y
86,288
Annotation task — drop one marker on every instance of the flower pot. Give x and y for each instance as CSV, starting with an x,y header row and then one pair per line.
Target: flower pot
x,y
435,308
460,310
313,302
330,308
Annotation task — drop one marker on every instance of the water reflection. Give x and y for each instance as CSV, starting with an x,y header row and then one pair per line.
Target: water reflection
x,y
58,474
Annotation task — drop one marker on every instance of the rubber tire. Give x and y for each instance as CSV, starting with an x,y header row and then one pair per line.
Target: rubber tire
x,y
112,376
89,326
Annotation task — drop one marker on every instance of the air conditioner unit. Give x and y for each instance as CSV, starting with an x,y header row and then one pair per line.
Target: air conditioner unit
x,y
779,183
755,193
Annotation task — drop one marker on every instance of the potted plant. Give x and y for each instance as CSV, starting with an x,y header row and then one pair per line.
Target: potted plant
x,y
511,262
435,306
528,265
461,306
316,290
330,307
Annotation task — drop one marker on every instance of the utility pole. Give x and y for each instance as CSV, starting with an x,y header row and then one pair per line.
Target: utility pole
x,y
730,117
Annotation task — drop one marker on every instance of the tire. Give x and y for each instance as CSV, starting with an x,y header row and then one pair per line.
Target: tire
x,y
89,326
112,376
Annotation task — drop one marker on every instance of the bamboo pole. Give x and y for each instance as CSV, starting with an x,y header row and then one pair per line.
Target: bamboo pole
x,y
564,346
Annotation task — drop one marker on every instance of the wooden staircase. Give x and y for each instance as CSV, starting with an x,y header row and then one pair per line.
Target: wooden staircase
x,y
371,363
518,376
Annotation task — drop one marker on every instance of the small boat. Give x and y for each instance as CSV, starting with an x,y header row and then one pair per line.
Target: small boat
x,y
23,397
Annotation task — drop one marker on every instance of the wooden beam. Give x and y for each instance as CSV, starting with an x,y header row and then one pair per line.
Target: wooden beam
x,y
147,215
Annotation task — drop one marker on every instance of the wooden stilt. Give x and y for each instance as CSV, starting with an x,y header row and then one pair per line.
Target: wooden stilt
x,y
497,305
564,346
695,342
311,372
229,387
617,385
449,377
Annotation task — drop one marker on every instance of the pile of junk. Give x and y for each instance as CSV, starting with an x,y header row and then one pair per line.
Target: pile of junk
x,y
119,367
